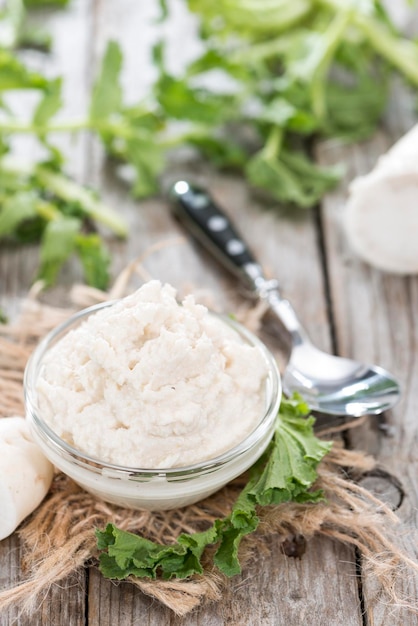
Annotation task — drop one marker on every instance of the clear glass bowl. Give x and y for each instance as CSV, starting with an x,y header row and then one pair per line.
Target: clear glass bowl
x,y
138,488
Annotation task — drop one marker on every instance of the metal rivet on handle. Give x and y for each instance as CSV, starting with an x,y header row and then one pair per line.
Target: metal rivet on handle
x,y
217,223
181,187
235,246
200,201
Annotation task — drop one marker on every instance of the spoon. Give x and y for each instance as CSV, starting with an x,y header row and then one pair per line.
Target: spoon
x,y
329,384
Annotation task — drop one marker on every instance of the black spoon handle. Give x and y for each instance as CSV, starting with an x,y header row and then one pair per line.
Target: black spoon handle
x,y
212,227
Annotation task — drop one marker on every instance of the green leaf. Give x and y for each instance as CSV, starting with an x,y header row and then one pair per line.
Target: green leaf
x,y
148,161
58,244
128,554
14,75
26,216
291,177
226,556
12,18
214,59
95,259
282,113
35,38
49,105
291,468
15,209
107,93
222,150
354,112
163,10
179,100
242,521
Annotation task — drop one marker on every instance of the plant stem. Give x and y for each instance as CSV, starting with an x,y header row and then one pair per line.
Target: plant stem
x,y
70,126
402,53
273,144
68,190
399,51
47,211
333,38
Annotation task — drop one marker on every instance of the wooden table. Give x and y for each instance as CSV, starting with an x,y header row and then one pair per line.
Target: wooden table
x,y
348,308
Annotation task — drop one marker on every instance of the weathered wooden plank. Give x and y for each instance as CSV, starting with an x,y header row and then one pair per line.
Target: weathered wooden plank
x,y
273,591
65,603
376,321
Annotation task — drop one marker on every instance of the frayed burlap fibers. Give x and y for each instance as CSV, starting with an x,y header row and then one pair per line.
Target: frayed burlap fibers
x,y
59,537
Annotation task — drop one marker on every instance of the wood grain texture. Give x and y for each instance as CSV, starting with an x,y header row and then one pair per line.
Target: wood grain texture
x,y
70,56
64,604
375,317
274,590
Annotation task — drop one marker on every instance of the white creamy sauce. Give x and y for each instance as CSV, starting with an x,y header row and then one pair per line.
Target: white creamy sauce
x,y
150,383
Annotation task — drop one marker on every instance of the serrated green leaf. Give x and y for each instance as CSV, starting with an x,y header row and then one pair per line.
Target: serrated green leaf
x,y
105,538
131,553
226,556
291,468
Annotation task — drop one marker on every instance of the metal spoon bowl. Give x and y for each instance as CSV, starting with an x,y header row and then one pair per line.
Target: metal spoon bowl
x,y
339,386
330,384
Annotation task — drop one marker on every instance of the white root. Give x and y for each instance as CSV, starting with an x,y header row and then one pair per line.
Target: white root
x,y
25,474
381,216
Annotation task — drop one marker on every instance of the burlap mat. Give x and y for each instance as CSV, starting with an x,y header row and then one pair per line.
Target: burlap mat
x,y
59,536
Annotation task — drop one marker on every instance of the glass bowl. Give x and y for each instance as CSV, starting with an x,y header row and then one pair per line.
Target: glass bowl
x,y
144,488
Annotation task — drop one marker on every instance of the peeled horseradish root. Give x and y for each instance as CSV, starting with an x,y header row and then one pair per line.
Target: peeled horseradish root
x,y
25,474
381,216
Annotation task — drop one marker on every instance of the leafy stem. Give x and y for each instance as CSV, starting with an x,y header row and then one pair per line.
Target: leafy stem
x,y
67,190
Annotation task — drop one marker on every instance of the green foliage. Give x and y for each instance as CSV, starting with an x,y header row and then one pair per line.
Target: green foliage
x,y
291,71
39,202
